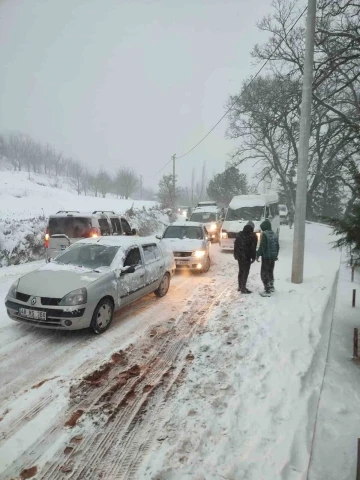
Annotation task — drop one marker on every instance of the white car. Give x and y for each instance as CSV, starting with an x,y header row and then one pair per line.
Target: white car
x,y
190,244
94,277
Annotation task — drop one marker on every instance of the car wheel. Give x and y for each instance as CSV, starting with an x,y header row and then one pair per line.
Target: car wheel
x,y
207,265
164,286
102,316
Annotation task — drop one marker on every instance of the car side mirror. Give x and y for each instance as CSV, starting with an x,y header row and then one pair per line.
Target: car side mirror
x,y
124,271
134,231
130,269
158,237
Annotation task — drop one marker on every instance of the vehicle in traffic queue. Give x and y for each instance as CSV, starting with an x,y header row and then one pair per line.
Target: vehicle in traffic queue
x,y
210,216
183,211
284,215
245,208
67,227
190,244
86,284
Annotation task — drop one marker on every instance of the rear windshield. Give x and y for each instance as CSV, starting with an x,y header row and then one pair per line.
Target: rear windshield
x,y
73,227
184,232
203,217
89,256
245,213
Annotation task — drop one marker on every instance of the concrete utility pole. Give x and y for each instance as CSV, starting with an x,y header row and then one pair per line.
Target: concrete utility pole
x,y
174,183
301,190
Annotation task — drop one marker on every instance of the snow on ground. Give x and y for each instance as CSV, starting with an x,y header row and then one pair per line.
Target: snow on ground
x,y
335,443
26,202
22,198
245,409
248,404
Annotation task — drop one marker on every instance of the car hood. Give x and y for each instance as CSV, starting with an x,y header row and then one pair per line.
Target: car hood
x,y
182,245
55,281
236,226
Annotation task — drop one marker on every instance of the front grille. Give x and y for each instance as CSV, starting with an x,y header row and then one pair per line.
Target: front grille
x,y
231,234
182,254
50,301
23,297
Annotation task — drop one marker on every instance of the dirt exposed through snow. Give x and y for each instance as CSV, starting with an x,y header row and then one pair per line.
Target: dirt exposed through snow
x,y
123,399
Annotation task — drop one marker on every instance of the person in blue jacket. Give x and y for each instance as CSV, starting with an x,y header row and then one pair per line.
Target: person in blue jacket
x,y
269,252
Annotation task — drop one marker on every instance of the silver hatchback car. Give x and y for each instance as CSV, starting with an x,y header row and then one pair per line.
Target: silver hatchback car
x,y
83,286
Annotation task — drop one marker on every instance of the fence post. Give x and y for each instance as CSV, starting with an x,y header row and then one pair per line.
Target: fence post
x,y
354,297
355,344
358,461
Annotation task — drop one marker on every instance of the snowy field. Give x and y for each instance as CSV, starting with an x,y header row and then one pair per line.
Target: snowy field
x,y
23,198
202,384
26,203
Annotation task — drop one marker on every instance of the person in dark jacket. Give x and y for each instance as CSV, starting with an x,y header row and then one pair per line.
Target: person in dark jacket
x,y
245,254
269,252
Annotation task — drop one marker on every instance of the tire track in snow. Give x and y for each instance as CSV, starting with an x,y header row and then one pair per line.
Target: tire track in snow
x,y
117,447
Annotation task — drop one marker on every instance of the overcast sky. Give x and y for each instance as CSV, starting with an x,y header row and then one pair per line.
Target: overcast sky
x,y
116,82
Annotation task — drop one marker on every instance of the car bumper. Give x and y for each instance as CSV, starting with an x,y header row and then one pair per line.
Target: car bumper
x,y
227,243
60,318
190,263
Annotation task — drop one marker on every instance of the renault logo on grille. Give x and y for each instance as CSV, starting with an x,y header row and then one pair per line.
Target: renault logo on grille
x,y
33,301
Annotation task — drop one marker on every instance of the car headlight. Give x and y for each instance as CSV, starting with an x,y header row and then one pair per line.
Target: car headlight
x,y
224,234
13,289
212,227
76,297
198,253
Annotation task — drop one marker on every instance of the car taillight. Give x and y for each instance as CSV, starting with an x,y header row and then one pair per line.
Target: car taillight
x,y
94,233
47,237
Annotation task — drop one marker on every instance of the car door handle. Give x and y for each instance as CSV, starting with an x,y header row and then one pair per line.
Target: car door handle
x,y
161,267
142,276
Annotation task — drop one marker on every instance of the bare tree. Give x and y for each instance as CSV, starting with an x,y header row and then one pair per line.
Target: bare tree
x,y
103,182
126,182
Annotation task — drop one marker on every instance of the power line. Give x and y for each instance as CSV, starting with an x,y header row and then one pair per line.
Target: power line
x,y
247,86
233,104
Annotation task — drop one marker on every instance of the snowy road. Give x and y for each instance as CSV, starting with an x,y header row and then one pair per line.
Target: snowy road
x,y
38,366
198,385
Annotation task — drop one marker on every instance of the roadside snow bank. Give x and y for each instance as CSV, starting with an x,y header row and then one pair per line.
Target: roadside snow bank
x,y
334,454
247,407
22,240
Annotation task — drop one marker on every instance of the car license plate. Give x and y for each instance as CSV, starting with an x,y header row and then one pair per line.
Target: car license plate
x,y
32,314
181,262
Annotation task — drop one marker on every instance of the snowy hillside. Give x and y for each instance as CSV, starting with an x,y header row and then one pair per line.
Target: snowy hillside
x,y
22,198
26,202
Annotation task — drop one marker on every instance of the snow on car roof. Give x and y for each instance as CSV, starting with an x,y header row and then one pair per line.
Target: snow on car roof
x,y
253,200
206,209
120,241
72,214
185,224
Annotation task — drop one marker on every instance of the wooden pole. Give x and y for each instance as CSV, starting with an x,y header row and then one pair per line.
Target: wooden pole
x,y
358,461
354,298
355,343
352,273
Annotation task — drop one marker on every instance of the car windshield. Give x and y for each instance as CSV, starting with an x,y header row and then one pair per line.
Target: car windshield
x,y
203,217
282,208
88,255
192,232
245,213
73,227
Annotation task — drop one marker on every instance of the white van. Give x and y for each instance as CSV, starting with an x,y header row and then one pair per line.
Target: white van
x,y
245,208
